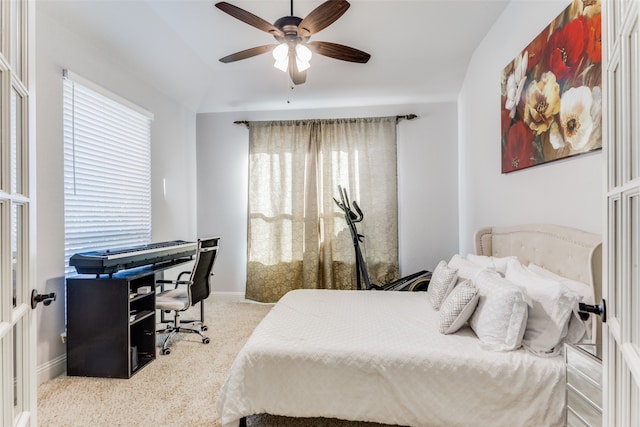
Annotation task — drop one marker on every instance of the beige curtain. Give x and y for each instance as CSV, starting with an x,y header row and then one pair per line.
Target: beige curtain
x,y
297,236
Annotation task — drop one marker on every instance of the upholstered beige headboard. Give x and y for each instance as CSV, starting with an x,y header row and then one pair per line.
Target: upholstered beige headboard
x,y
569,252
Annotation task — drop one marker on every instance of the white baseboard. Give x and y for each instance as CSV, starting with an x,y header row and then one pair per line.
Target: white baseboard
x,y
51,369
228,293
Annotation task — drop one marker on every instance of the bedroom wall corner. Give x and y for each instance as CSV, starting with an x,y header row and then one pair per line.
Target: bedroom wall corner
x,y
222,170
565,192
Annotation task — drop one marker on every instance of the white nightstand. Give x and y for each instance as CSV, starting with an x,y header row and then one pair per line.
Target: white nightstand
x,y
584,385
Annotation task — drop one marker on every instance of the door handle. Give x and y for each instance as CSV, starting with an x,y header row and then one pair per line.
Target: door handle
x,y
46,299
600,310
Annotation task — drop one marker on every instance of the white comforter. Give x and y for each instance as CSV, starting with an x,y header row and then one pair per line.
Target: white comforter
x,y
378,356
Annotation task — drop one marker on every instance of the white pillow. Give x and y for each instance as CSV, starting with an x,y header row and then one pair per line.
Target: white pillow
x,y
582,290
442,282
585,295
500,318
466,269
498,264
552,306
458,307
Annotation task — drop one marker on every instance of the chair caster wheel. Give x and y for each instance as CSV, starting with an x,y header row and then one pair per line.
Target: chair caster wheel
x,y
206,340
204,328
166,351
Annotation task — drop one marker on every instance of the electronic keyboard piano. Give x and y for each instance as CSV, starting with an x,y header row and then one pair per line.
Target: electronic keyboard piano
x,y
113,260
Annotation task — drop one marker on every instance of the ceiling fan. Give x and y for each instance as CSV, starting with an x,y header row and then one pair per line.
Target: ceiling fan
x,y
293,50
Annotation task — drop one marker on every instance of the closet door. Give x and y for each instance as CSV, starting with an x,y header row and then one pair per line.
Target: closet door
x,y
621,336
17,215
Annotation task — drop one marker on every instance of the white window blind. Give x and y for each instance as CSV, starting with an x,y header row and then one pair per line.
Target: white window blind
x,y
107,171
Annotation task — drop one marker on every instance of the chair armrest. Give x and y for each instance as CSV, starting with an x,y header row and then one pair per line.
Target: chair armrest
x,y
160,283
183,273
177,282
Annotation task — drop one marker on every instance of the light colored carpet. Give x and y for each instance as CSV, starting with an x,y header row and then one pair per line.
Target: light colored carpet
x,y
179,389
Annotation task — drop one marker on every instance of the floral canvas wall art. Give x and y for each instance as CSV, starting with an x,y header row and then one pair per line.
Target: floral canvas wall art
x,y
552,91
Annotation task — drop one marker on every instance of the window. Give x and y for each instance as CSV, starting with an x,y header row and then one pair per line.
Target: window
x,y
297,236
107,170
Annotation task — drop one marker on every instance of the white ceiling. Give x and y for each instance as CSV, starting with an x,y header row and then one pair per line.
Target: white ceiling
x,y
419,50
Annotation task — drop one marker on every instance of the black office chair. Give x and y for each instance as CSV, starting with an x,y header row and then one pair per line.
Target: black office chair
x,y
181,298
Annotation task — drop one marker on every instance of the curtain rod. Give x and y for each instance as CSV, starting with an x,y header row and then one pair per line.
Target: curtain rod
x,y
398,118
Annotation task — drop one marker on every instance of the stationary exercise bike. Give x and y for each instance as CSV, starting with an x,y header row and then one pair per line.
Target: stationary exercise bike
x,y
415,282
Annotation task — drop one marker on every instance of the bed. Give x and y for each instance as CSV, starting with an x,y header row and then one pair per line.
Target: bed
x,y
374,356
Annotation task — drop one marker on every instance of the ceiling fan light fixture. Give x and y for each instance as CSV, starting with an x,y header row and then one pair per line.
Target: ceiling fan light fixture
x,y
303,56
282,65
281,56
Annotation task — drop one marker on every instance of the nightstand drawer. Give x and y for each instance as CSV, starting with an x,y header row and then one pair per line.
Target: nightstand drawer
x,y
585,385
577,406
574,421
588,365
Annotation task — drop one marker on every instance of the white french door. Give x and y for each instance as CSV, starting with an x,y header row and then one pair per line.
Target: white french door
x,y
621,49
17,215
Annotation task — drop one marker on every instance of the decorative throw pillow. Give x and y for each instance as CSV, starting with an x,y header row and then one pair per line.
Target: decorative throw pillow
x,y
500,318
458,307
552,306
442,282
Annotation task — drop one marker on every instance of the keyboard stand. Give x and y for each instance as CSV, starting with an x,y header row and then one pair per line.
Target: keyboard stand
x,y
111,329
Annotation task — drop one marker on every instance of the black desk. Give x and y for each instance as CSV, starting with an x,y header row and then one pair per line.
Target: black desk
x,y
111,330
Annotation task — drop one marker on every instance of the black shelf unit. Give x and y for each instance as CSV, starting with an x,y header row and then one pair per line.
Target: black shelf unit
x,y
111,330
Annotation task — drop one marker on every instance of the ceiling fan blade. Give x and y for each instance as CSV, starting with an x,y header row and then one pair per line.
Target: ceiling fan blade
x,y
297,77
248,53
322,16
249,18
338,51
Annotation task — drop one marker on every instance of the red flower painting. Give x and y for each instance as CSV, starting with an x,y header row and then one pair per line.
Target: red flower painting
x,y
566,48
519,151
551,92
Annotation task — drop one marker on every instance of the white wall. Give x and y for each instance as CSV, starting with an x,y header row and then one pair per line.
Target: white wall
x,y
173,159
427,184
566,192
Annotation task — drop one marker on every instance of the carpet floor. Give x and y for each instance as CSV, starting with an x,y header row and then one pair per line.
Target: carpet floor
x,y
179,389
